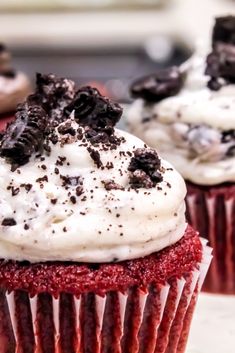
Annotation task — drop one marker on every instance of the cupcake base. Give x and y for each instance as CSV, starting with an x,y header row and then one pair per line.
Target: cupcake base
x,y
211,210
150,319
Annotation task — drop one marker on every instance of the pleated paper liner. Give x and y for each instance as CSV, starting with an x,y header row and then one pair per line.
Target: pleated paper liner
x,y
151,321
211,210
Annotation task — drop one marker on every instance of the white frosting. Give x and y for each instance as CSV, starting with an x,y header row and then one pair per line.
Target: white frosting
x,y
13,91
108,225
196,105
201,173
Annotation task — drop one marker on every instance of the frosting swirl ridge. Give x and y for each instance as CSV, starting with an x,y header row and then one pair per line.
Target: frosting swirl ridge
x,y
97,194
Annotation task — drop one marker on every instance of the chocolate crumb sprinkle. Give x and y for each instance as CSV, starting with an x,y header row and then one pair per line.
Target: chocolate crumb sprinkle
x,y
42,179
15,191
27,187
95,155
8,222
79,190
66,128
111,185
145,168
73,199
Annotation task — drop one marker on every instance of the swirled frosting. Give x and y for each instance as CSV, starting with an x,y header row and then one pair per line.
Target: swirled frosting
x,y
81,201
195,129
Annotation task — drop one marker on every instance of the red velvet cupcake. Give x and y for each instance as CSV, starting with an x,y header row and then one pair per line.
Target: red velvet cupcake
x,y
14,88
212,211
96,253
187,113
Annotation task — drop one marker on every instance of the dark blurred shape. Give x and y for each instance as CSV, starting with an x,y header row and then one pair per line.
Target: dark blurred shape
x,y
112,68
164,83
224,30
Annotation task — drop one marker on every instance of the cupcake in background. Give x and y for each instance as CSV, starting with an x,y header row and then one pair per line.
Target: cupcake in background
x,y
14,87
95,250
187,113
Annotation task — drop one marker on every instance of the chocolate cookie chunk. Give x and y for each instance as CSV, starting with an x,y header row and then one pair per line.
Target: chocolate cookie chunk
x,y
8,222
145,169
94,110
25,135
55,94
162,84
97,114
224,30
221,64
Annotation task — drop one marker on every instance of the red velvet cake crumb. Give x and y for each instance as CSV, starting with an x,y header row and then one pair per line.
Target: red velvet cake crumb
x,y
54,278
4,119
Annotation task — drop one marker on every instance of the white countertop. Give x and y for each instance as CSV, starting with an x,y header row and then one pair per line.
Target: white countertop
x,y
213,328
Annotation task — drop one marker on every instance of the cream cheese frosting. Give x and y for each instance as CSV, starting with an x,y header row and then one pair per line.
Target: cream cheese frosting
x,y
64,211
168,126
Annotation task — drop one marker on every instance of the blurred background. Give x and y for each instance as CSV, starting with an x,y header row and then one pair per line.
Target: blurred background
x,y
110,43
107,42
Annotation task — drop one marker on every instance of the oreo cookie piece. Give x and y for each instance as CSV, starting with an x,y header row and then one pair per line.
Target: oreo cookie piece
x,y
145,168
164,83
25,135
221,64
97,114
224,30
55,94
94,110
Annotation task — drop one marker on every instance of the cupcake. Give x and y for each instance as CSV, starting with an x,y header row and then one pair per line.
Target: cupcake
x,y
96,255
14,87
187,114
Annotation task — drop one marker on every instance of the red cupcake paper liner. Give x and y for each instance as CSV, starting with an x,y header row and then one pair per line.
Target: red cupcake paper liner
x,y
156,320
211,210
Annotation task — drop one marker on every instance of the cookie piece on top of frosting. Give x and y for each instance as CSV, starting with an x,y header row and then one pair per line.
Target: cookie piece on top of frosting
x,y
194,129
82,180
164,83
221,61
36,119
